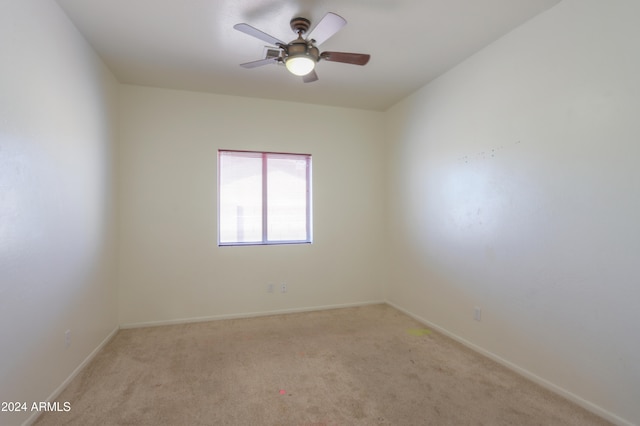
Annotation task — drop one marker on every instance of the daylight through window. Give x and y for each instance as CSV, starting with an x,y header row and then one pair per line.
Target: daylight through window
x,y
263,198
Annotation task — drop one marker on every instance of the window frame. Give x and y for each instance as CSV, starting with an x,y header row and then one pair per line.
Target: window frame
x,y
264,183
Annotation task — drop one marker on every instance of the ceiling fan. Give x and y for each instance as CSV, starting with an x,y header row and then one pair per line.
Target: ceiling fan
x,y
301,55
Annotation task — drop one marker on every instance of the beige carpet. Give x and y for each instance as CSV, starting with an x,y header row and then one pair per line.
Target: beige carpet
x,y
369,365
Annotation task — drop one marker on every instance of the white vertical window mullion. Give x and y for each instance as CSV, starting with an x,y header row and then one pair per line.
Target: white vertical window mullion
x,y
308,166
265,196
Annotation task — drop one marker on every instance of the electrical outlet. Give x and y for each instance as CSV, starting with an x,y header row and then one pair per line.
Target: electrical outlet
x,y
477,314
67,338
283,287
270,288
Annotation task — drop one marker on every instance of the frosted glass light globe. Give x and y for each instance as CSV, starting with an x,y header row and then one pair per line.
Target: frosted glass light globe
x,y
300,65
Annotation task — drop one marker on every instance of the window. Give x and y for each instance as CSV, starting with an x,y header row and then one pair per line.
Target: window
x,y
263,198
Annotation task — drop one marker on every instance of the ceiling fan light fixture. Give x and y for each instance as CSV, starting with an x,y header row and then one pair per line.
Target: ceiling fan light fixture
x,y
301,55
300,64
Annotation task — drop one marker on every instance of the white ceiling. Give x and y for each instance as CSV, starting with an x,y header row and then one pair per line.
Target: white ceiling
x,y
191,44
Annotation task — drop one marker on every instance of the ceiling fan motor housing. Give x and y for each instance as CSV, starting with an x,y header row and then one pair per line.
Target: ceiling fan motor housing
x,y
301,47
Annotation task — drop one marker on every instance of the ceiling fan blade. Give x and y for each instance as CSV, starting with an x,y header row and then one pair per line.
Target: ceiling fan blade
x,y
311,77
259,63
328,26
347,58
254,32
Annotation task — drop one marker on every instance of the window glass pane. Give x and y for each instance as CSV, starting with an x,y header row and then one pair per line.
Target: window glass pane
x,y
240,197
263,198
287,197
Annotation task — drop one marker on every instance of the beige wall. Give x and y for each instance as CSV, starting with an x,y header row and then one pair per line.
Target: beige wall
x,y
170,266
57,226
514,188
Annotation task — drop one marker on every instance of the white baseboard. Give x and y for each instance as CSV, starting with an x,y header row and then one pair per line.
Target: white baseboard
x,y
247,314
521,371
33,417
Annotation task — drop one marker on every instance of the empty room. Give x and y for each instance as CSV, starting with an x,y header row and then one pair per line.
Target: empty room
x,y
436,222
